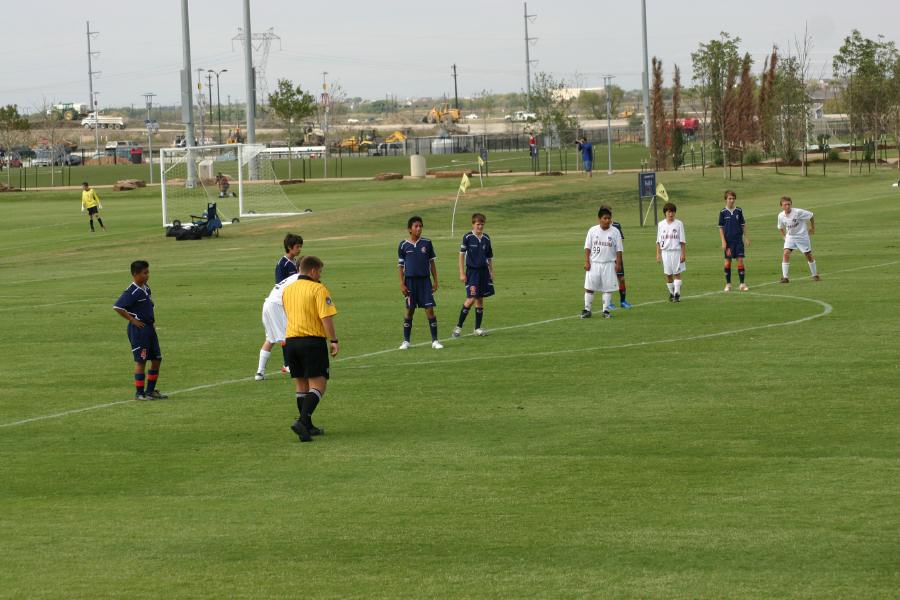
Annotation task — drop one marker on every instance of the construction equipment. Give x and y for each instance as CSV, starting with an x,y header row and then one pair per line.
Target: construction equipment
x,y
235,136
313,135
626,114
442,115
92,120
359,143
398,137
68,111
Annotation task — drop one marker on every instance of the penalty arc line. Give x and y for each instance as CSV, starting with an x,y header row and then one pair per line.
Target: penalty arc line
x,y
379,352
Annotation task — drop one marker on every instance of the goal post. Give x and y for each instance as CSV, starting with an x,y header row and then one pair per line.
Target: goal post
x,y
239,178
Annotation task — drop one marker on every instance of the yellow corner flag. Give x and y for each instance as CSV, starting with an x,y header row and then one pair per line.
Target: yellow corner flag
x,y
480,162
661,192
464,184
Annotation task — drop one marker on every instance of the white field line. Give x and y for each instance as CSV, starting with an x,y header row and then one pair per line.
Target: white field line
x,y
826,310
33,306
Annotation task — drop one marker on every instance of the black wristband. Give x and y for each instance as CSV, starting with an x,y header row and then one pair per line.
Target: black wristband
x,y
334,341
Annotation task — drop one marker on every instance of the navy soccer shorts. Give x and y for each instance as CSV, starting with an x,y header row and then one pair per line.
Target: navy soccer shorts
x,y
307,357
420,294
736,247
478,283
144,343
92,211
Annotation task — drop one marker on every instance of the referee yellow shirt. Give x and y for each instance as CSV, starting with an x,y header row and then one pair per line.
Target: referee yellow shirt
x,y
306,303
89,198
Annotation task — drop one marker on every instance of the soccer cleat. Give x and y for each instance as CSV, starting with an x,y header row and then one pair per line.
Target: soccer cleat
x,y
259,376
481,332
142,397
156,395
302,432
784,280
404,345
285,369
744,287
611,306
677,297
585,314
457,331
727,287
816,278
437,345
671,297
606,314
625,304
313,430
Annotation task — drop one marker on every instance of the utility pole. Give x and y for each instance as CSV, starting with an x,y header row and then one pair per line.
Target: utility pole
x,y
200,99
455,90
528,60
91,101
148,98
646,77
218,98
325,102
607,83
187,96
209,76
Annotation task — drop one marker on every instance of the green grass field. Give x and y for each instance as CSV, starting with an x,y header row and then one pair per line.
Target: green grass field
x,y
739,445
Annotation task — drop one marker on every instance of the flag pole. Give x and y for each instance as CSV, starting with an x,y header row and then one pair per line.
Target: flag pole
x,y
453,218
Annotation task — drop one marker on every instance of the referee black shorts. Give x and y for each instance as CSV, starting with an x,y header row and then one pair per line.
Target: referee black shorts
x,y
307,357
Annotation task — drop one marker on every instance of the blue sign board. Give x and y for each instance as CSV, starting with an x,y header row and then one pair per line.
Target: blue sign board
x,y
646,184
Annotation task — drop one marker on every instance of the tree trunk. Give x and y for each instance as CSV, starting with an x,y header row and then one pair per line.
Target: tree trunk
x,y
290,153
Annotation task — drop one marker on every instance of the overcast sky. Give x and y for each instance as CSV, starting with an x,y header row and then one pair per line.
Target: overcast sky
x,y
402,47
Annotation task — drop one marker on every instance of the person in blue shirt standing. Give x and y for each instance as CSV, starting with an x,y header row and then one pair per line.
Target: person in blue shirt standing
x,y
287,265
136,306
587,155
476,271
416,265
733,233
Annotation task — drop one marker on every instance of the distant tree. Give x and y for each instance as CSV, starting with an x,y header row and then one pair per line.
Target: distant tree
x,y
865,68
677,131
291,104
728,113
12,126
765,112
712,62
592,104
793,106
746,104
659,125
553,109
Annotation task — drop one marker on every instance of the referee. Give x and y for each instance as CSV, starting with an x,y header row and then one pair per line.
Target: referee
x,y
310,332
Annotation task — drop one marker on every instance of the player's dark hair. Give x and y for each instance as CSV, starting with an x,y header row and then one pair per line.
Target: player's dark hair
x,y
85,183
138,266
604,210
788,198
479,217
669,206
290,240
412,220
729,193
308,263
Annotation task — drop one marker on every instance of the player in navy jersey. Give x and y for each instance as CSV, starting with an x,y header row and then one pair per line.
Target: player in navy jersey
x,y
476,271
287,266
620,273
136,307
733,232
415,259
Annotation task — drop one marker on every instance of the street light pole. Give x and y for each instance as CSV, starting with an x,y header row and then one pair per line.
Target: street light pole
x,y
149,98
218,99
607,81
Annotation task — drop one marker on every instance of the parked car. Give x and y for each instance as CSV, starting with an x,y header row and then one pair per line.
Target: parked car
x,y
471,117
351,120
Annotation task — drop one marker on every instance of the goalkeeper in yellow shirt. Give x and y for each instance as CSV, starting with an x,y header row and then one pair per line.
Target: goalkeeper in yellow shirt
x,y
90,202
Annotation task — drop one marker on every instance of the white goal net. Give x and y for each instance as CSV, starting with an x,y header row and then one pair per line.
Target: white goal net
x,y
239,178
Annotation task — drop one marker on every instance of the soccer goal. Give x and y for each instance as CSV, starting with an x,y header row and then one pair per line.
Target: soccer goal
x,y
239,178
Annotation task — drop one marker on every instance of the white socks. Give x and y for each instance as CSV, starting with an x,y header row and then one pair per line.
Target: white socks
x,y
588,300
785,269
812,268
677,284
263,359
607,299
671,287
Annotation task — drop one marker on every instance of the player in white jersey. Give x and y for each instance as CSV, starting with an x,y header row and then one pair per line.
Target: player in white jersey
x,y
670,250
602,260
792,224
274,322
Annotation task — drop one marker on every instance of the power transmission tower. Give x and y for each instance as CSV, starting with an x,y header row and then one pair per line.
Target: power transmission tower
x,y
528,61
91,101
261,43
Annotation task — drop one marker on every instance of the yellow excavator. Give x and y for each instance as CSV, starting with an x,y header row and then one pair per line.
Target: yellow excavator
x,y
235,136
442,115
359,143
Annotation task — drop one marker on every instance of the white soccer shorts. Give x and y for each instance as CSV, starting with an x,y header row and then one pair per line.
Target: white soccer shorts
x,y
601,277
671,262
798,243
274,321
